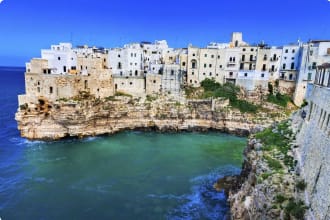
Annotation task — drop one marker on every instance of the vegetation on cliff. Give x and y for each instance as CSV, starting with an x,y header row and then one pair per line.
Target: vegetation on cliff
x,y
276,148
211,88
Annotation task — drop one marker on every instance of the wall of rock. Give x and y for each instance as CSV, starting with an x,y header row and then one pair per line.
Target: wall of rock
x,y
88,117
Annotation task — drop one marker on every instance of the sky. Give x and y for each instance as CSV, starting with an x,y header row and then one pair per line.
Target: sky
x,y
27,26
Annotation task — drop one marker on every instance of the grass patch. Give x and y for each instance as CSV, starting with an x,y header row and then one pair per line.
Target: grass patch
x,y
273,163
266,175
279,99
123,94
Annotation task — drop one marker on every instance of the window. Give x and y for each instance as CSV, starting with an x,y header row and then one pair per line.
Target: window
x,y
218,56
220,66
205,65
293,51
85,84
314,65
172,72
118,55
284,66
51,90
241,66
265,57
205,55
210,65
230,59
273,68
194,54
292,66
64,69
262,75
130,72
204,74
230,73
154,81
244,49
130,83
234,59
285,58
252,49
119,65
183,63
135,55
190,81
245,74
45,71
309,76
192,73
290,77
38,89
193,64
264,67
136,72
243,57
210,73
286,50
251,57
212,56
131,54
59,58
292,58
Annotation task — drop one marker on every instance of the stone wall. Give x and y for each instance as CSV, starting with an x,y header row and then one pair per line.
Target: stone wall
x,y
314,152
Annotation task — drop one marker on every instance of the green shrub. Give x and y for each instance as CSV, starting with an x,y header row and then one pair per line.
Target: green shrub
x,y
150,98
280,198
227,90
301,185
296,209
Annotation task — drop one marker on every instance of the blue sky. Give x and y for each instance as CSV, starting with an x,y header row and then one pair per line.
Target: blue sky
x,y
26,26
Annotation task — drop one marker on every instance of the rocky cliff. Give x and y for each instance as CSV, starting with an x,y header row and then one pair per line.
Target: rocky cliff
x,y
285,171
89,116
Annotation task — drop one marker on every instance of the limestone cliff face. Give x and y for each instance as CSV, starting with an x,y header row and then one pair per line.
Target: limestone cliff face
x,y
95,117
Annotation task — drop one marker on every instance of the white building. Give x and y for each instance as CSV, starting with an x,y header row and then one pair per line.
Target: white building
x,y
61,59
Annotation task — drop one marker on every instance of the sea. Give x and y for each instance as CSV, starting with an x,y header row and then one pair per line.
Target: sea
x,y
129,175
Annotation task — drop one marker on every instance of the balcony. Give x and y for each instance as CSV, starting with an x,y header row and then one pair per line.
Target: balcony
x,y
231,64
273,59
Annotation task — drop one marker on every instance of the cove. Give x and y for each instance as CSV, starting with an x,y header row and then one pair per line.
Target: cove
x,y
129,175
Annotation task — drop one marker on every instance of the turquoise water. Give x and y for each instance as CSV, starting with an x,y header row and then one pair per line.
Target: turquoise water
x,y
125,176
130,175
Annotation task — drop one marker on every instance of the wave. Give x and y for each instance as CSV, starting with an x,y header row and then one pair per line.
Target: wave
x,y
203,202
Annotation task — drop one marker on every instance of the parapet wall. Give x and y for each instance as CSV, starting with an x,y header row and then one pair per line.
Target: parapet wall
x,y
314,141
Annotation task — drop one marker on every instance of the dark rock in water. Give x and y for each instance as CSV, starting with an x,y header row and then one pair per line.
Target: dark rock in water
x,y
227,183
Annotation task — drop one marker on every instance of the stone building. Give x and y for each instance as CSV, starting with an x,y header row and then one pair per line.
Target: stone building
x,y
46,78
